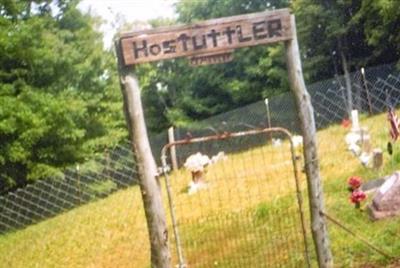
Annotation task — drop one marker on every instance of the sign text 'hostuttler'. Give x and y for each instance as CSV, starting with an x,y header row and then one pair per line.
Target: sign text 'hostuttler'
x,y
207,37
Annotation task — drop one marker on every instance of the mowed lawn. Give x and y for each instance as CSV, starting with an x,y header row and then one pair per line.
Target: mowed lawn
x,y
246,217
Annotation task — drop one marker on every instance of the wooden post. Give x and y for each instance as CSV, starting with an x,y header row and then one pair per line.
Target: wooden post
x,y
305,110
265,28
171,139
149,186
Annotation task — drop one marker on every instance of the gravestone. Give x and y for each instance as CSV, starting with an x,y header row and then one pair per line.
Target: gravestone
x,y
355,125
377,156
371,186
365,140
386,202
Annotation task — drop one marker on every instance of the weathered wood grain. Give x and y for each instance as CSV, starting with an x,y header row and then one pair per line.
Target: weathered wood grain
x,y
307,123
149,186
212,36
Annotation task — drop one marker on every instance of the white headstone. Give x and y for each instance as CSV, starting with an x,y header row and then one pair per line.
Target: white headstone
x,y
354,121
388,183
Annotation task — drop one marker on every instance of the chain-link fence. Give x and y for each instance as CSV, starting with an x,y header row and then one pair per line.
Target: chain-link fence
x,y
357,239
328,98
239,210
92,216
78,186
231,223
372,94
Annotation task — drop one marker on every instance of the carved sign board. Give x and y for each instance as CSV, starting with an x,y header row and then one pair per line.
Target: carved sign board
x,y
208,37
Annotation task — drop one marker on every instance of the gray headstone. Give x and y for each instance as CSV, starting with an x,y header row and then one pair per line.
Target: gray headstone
x,y
386,202
372,185
377,156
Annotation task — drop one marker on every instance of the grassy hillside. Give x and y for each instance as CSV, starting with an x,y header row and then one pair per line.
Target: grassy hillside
x,y
246,217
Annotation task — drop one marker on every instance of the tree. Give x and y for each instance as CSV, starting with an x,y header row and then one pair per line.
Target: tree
x,y
186,94
59,94
338,37
381,20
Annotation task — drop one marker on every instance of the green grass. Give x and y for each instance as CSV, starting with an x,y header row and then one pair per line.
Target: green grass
x,y
247,217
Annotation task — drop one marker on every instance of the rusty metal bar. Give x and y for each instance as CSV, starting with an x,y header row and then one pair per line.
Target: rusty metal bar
x,y
300,203
172,211
226,135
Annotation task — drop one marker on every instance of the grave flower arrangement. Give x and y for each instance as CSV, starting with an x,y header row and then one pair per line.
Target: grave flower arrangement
x,y
346,123
354,183
196,164
357,195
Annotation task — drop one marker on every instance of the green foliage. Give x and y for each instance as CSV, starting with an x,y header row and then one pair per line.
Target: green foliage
x,y
381,27
265,210
257,227
262,211
333,35
187,94
363,32
59,97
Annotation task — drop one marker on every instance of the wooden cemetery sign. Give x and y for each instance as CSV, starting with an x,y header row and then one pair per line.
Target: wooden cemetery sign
x,y
212,42
217,36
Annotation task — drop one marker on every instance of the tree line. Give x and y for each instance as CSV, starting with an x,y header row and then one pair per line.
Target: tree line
x,y
335,37
60,100
59,97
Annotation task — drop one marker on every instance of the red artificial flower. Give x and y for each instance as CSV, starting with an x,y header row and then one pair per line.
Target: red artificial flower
x,y
346,123
357,196
354,182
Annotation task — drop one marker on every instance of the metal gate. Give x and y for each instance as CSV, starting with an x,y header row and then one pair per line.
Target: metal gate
x,y
241,208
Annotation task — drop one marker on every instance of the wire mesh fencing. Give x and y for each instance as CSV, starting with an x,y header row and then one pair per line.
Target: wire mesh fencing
x,y
328,99
108,232
78,186
372,94
92,216
357,238
247,216
240,209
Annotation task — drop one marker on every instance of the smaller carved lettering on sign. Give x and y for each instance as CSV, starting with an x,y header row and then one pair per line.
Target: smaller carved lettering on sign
x,y
212,36
207,59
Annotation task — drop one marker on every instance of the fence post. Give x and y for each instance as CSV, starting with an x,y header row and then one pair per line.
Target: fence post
x,y
171,139
79,184
268,117
347,80
149,185
307,122
366,90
